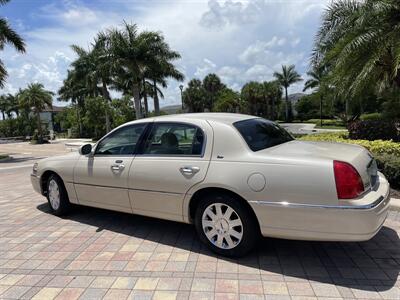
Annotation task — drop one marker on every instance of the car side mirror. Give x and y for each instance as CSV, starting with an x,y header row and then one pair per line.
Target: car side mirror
x,y
85,149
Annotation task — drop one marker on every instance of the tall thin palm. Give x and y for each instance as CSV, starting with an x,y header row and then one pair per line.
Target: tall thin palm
x,y
13,106
8,36
74,90
315,82
103,69
37,98
3,106
288,77
158,74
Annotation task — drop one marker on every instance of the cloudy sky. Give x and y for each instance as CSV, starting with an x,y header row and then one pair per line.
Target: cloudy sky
x,y
238,40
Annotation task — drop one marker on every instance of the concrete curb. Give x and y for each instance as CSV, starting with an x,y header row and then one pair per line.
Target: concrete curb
x,y
395,204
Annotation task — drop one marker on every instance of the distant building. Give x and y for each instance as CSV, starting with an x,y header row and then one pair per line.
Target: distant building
x,y
47,117
171,109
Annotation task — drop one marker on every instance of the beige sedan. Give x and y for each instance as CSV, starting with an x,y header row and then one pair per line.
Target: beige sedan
x,y
234,176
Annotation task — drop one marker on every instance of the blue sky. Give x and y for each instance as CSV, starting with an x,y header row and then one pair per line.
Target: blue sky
x,y
238,40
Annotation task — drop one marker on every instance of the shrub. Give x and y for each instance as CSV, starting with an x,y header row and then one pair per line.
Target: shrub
x,y
374,130
373,116
390,166
376,147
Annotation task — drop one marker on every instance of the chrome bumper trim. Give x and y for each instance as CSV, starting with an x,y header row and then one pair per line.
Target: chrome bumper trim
x,y
300,205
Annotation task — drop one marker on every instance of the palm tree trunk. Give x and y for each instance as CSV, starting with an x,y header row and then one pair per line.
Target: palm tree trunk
x,y
78,116
4,117
39,126
106,96
136,97
287,104
146,105
156,101
273,109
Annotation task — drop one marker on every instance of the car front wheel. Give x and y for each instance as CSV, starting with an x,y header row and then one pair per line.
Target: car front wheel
x,y
226,226
57,196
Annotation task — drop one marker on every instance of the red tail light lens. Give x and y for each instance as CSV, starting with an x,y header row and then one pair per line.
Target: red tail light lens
x,y
349,184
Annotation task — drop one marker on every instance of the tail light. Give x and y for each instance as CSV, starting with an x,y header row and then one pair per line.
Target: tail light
x,y
349,184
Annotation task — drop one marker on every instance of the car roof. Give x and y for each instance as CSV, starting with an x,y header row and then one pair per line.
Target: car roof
x,y
226,118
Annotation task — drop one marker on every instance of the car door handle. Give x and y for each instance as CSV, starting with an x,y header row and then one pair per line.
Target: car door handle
x,y
188,170
117,167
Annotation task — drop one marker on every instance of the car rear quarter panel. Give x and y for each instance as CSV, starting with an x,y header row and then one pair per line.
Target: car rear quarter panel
x,y
289,179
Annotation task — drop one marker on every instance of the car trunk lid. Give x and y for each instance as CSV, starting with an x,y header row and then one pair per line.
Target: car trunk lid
x,y
357,156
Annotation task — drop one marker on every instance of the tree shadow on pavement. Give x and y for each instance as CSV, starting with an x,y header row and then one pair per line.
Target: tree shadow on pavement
x,y
368,266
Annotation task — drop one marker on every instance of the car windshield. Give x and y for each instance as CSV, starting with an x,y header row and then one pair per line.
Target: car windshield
x,y
260,134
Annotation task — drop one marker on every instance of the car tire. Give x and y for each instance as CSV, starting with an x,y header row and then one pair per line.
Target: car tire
x,y
57,196
225,225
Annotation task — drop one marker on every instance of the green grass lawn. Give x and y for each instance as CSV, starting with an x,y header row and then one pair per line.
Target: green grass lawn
x,y
330,127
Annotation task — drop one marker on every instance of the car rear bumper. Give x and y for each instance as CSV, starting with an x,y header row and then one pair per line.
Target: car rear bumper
x,y
35,180
356,220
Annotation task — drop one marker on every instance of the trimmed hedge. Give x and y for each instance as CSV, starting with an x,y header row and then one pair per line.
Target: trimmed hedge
x,y
376,147
372,116
374,130
387,153
390,166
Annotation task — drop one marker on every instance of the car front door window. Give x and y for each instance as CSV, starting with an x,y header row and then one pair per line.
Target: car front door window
x,y
121,142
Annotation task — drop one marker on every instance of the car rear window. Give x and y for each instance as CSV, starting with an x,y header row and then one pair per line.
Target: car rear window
x,y
260,134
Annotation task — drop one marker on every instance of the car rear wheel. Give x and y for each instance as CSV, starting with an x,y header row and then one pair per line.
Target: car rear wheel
x,y
57,195
225,225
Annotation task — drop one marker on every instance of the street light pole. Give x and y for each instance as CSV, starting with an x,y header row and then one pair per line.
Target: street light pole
x,y
181,88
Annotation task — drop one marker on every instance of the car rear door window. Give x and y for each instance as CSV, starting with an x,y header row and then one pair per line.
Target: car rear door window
x,y
174,139
260,134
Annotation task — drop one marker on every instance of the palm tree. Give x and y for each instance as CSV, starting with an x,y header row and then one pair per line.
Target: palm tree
x,y
74,90
253,95
288,76
212,84
103,69
194,96
360,41
273,94
8,36
143,54
3,106
158,75
130,51
317,75
37,98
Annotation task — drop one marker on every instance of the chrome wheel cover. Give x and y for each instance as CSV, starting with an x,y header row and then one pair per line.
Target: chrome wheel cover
x,y
54,194
222,226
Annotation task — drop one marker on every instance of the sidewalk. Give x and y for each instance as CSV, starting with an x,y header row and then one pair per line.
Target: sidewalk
x,y
395,204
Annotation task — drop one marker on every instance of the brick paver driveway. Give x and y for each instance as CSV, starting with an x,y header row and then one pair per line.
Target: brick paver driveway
x,y
93,253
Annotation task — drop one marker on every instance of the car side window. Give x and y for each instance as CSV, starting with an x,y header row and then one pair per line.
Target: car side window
x,y
122,141
174,139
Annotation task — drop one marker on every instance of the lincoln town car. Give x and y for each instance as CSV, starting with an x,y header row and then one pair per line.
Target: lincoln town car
x,y
235,177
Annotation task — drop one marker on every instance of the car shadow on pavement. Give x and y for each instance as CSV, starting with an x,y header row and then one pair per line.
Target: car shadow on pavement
x,y
367,266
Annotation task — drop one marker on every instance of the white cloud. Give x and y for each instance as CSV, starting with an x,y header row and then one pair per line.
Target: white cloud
x,y
207,67
258,51
238,40
227,13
